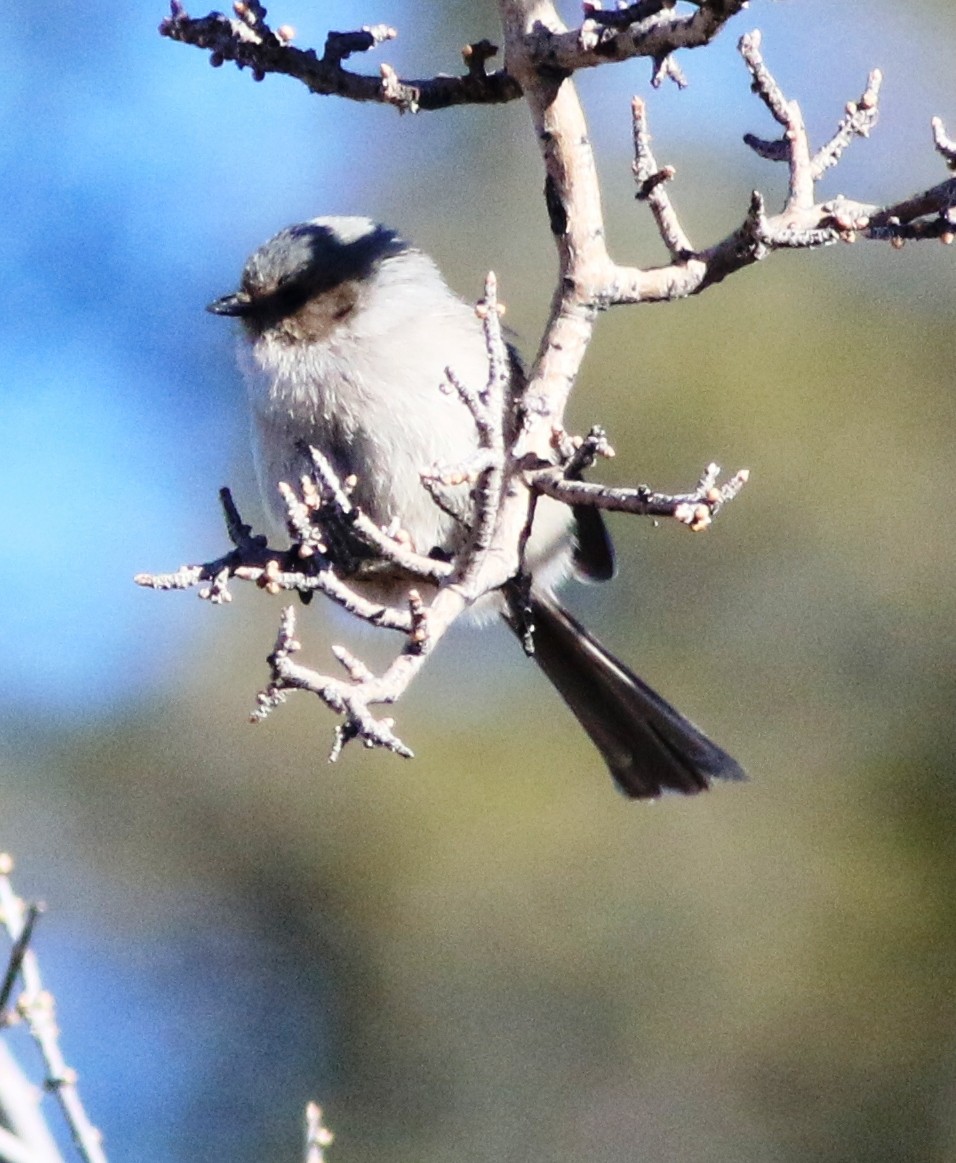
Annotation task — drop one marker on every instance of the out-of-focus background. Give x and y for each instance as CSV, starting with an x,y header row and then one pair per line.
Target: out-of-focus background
x,y
484,953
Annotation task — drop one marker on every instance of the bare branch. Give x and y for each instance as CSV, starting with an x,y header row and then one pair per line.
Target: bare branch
x,y
250,552
788,114
859,119
589,280
15,961
640,30
490,413
626,15
349,698
695,509
304,567
36,1007
801,224
650,28
667,69
580,454
339,518
763,82
251,43
573,202
939,200
651,186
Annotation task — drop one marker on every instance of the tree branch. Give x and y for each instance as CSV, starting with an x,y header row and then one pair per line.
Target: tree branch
x,y
251,43
650,28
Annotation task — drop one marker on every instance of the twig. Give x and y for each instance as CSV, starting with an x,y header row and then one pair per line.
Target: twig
x,y
789,115
25,1136
651,186
695,509
490,415
250,552
651,29
36,1007
15,960
580,454
336,507
860,118
318,1137
763,82
666,68
625,15
350,698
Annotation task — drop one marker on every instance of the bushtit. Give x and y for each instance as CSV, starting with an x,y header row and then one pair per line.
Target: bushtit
x,y
346,335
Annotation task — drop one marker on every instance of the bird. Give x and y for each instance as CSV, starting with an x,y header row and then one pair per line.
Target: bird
x,y
345,334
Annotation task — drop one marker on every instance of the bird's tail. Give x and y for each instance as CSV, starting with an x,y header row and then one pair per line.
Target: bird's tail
x,y
646,743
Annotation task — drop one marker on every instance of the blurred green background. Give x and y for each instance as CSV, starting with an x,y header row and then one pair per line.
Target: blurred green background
x,y
485,953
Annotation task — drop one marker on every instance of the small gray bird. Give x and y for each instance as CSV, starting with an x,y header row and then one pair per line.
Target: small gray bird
x,y
346,334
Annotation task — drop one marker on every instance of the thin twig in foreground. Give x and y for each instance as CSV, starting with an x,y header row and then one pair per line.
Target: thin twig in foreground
x,y
37,1009
317,1135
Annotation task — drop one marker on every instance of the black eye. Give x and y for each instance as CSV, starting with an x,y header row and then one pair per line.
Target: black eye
x,y
290,294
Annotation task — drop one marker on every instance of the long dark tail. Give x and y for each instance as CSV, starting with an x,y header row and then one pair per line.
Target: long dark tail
x,y
647,744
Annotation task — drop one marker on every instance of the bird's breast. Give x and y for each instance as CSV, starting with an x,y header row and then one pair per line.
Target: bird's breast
x,y
382,414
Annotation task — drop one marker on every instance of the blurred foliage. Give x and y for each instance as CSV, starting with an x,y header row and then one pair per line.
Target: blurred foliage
x,y
485,953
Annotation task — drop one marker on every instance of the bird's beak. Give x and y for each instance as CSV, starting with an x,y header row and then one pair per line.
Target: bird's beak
x,y
238,304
